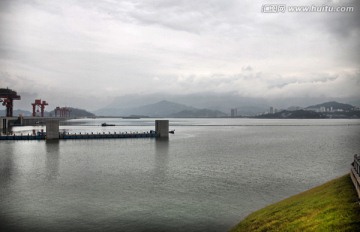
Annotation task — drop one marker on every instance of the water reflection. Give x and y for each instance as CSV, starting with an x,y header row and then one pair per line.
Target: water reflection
x,y
52,159
6,164
161,158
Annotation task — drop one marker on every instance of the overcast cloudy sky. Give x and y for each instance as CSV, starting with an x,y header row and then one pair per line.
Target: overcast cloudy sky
x,y
91,51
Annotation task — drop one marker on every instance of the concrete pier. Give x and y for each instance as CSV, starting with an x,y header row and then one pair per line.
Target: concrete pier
x,y
53,133
162,128
52,130
87,136
3,123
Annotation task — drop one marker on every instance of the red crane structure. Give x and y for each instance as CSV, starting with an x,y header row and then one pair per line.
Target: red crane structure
x,y
7,97
40,104
62,112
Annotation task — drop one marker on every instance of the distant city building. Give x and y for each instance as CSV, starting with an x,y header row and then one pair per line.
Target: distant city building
x,y
233,112
272,110
322,109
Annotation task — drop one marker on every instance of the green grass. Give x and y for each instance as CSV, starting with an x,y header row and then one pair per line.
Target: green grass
x,y
332,206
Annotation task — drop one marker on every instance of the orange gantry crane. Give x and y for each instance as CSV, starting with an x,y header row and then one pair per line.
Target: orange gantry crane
x,y
7,97
39,104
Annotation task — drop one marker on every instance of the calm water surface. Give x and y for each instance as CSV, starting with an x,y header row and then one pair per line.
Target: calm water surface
x,y
207,177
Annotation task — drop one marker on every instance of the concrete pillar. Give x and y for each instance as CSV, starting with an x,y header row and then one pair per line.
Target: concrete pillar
x,y
3,123
162,128
52,130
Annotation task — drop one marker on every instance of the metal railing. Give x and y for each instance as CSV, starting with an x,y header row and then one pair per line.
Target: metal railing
x,y
355,173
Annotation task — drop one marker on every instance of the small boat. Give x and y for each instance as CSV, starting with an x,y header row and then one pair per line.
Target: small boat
x,y
172,132
105,124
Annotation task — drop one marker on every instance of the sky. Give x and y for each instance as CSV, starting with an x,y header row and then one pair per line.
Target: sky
x,y
84,53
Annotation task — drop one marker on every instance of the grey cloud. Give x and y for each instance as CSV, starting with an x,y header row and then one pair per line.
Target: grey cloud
x,y
189,16
344,24
121,47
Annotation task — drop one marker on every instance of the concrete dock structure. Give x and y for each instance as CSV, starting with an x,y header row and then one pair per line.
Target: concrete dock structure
x,y
52,130
162,128
53,133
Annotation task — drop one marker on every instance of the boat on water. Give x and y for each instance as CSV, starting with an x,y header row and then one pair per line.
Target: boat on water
x,y
106,124
172,132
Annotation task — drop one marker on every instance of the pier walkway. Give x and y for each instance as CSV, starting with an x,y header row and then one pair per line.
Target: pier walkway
x,y
64,136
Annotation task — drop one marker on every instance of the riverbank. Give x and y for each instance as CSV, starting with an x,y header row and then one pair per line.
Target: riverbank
x,y
332,206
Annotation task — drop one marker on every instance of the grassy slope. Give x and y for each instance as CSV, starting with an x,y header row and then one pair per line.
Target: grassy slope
x,y
330,207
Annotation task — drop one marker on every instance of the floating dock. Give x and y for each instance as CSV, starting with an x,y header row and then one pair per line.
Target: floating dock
x,y
64,136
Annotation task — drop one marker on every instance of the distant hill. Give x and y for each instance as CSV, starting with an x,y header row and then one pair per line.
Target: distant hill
x,y
161,109
215,101
293,108
334,105
74,112
300,114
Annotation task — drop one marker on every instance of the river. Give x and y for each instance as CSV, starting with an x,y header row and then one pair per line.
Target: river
x,y
207,176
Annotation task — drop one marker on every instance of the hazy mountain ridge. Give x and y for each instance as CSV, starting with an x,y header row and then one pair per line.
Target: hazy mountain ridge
x,y
213,101
300,114
159,109
332,104
246,106
166,108
162,109
74,112
324,110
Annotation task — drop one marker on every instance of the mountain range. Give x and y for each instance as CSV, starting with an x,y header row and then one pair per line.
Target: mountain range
x,y
333,105
171,109
161,109
324,110
197,105
223,102
74,112
213,101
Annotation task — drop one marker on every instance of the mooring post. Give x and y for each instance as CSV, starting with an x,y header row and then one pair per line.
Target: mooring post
x,y
52,130
162,128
